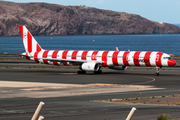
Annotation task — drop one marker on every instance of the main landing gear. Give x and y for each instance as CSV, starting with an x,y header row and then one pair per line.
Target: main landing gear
x,y
157,71
98,72
81,72
84,72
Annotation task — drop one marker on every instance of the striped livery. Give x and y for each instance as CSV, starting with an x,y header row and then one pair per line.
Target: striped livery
x,y
102,58
109,58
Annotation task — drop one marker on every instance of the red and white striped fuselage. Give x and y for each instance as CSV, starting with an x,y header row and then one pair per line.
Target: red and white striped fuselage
x,y
109,58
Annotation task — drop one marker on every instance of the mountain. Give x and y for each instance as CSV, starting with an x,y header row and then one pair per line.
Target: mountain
x,y
177,25
52,19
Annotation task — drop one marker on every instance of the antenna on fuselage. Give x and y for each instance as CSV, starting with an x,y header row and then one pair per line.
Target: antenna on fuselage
x,y
117,49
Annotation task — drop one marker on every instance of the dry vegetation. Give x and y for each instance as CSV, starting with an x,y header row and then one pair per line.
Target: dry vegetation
x,y
161,100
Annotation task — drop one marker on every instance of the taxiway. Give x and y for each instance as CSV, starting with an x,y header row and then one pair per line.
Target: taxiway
x,y
68,95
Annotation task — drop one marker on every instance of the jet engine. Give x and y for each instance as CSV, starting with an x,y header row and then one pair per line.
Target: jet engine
x,y
118,67
90,66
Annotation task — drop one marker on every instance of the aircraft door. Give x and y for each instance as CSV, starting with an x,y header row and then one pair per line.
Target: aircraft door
x,y
157,57
127,57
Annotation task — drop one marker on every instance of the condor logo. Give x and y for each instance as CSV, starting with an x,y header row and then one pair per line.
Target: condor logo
x,y
93,57
157,57
141,60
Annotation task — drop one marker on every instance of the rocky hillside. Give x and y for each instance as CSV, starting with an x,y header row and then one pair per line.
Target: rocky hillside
x,y
52,19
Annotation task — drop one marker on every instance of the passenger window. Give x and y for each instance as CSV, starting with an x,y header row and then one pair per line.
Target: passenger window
x,y
167,58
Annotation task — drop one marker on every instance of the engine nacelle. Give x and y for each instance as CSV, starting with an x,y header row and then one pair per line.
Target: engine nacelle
x,y
118,67
90,66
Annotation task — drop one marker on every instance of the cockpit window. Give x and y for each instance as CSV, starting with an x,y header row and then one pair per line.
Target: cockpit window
x,y
167,58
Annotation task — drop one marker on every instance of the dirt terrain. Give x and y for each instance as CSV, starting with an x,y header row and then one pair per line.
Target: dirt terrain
x,y
160,100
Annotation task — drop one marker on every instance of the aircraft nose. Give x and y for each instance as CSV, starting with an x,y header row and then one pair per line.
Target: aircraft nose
x,y
171,62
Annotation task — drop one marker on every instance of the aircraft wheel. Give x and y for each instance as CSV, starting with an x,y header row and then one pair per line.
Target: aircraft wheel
x,y
81,72
156,74
157,71
98,72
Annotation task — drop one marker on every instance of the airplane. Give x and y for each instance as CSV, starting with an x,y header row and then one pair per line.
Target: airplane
x,y
93,60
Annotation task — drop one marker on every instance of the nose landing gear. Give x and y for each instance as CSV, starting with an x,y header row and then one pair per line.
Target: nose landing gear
x,y
157,71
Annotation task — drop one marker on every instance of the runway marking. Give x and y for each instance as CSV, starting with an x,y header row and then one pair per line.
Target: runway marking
x,y
153,79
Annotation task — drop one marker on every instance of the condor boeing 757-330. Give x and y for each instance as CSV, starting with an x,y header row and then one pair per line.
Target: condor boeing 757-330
x,y
93,60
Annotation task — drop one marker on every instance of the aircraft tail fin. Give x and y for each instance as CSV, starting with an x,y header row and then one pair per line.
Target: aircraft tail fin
x,y
30,44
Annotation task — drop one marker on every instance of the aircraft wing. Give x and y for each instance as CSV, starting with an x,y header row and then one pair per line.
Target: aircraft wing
x,y
71,61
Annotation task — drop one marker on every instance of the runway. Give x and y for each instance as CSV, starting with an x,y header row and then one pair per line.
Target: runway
x,y
82,90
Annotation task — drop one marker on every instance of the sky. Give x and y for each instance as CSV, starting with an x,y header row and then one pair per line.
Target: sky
x,y
156,10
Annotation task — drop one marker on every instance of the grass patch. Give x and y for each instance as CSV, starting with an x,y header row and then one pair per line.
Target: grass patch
x,y
150,69
13,59
165,117
164,100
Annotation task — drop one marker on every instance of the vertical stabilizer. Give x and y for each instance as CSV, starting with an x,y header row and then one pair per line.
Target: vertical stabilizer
x,y
30,44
